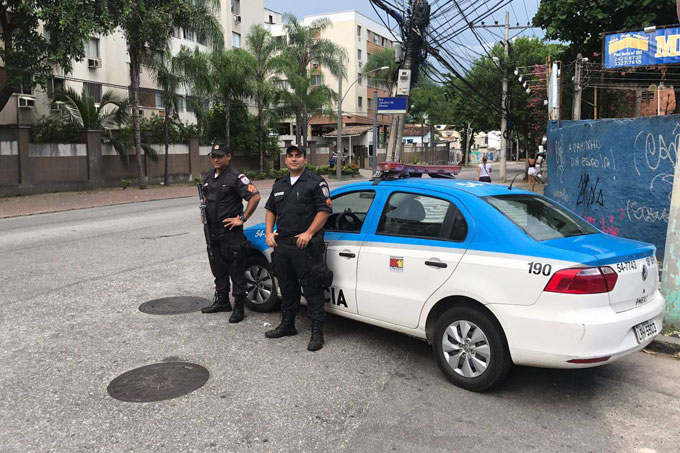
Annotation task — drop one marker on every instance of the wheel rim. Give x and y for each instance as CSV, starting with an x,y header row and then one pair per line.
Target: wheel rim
x,y
466,349
259,284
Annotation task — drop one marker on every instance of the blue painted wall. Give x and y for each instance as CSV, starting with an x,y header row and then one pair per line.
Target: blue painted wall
x,y
616,174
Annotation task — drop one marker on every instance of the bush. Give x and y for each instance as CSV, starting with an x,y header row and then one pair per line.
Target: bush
x,y
56,129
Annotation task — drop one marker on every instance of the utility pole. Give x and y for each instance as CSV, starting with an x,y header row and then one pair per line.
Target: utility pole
x,y
374,162
578,89
339,156
504,105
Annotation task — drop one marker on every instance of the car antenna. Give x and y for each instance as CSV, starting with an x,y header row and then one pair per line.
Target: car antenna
x,y
513,181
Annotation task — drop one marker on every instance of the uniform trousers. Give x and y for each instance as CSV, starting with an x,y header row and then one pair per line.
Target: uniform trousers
x,y
229,252
295,268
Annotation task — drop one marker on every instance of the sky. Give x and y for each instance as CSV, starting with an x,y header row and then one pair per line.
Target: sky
x,y
521,11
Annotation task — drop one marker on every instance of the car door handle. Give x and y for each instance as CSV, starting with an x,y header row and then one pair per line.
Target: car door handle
x,y
347,254
436,264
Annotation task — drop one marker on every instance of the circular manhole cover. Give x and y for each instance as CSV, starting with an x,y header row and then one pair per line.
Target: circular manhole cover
x,y
174,305
157,382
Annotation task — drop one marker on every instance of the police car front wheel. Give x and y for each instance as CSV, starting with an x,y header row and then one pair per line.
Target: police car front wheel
x,y
470,349
261,294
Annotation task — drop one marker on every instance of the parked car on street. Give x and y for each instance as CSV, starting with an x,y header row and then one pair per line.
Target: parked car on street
x,y
489,276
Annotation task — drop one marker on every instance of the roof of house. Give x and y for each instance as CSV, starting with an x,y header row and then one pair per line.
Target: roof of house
x,y
416,130
350,131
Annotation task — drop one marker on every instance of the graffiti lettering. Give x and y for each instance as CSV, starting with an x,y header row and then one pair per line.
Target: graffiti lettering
x,y
589,193
561,194
656,152
638,212
586,145
606,226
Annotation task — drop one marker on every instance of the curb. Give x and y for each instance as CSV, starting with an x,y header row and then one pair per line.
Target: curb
x,y
665,345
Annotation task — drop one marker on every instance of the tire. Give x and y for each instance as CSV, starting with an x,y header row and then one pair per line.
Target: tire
x,y
261,289
478,365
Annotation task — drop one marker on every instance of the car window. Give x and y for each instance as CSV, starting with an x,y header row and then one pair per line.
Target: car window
x,y
459,230
540,218
408,214
349,211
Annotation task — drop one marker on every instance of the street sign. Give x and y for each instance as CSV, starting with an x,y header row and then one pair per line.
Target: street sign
x,y
392,105
404,82
648,47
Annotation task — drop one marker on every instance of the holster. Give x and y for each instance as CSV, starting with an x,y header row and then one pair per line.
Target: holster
x,y
318,268
233,253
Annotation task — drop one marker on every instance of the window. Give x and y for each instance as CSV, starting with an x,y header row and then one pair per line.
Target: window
x,y
361,102
359,54
94,90
235,40
359,80
188,34
181,104
55,85
158,100
271,19
176,32
92,48
349,211
382,43
236,6
409,214
375,38
459,229
369,103
359,31
316,80
540,218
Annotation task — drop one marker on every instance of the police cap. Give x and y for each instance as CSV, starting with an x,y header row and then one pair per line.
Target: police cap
x,y
297,147
220,149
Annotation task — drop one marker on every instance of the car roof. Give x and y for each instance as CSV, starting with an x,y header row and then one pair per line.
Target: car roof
x,y
453,186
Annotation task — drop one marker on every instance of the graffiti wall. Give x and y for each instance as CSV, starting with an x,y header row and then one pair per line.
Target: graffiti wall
x,y
616,174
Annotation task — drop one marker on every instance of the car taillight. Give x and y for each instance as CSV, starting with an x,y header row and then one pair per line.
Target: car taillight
x,y
589,280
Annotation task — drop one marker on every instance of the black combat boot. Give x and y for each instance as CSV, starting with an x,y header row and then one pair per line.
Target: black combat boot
x,y
239,310
285,329
220,303
316,341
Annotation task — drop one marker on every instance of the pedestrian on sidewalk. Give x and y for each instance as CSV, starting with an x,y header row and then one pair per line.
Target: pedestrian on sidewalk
x,y
484,171
299,205
224,190
531,171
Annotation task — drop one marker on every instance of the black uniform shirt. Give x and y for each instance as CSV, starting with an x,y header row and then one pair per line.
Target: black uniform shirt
x,y
296,206
230,187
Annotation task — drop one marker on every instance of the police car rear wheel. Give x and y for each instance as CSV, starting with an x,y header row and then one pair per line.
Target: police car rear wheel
x,y
260,285
470,349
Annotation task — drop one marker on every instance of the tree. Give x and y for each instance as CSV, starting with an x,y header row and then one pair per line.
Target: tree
x,y
82,110
379,59
265,50
581,22
38,34
430,104
169,76
148,26
305,46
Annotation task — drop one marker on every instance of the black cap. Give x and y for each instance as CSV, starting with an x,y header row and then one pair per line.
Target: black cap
x,y
220,148
297,147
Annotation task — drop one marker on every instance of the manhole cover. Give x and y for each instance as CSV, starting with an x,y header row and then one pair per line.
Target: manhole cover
x,y
157,382
174,305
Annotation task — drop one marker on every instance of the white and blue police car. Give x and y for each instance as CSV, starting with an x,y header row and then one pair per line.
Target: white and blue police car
x,y
490,276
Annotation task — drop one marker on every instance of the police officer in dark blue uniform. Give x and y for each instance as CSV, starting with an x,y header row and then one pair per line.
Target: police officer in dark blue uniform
x,y
225,189
299,205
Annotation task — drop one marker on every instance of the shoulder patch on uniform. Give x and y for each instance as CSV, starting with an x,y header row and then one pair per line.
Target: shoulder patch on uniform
x,y
326,192
323,183
252,188
244,179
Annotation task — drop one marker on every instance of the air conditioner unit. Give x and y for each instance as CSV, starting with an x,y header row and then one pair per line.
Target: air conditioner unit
x,y
57,106
315,65
94,63
237,18
26,102
360,64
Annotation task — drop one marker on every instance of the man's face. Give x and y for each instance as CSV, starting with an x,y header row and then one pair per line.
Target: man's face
x,y
295,160
219,161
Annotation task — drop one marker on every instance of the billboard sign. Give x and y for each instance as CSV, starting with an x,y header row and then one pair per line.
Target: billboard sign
x,y
392,105
642,48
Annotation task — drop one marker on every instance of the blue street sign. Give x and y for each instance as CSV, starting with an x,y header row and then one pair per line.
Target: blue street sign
x,y
392,105
639,48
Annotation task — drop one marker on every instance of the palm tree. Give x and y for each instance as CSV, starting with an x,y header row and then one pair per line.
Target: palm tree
x,y
265,50
225,76
380,59
305,46
148,26
168,75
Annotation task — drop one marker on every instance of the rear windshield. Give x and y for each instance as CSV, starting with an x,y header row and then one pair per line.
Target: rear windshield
x,y
540,218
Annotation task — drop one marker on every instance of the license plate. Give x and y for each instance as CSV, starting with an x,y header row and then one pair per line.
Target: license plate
x,y
645,330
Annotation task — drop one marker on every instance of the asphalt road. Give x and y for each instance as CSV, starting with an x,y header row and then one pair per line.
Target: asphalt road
x,y
70,287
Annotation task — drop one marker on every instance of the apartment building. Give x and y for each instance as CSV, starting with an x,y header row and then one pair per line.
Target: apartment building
x,y
360,37
106,67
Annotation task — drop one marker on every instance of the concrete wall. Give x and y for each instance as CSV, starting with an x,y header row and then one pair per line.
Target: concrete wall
x,y
616,174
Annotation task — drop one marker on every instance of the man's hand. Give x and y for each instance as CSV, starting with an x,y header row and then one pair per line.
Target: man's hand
x,y
270,238
232,222
303,239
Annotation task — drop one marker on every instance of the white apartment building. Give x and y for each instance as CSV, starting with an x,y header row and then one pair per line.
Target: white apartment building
x,y
106,67
360,37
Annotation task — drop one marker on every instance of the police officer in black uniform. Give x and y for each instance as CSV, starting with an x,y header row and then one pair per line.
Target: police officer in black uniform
x,y
299,205
225,189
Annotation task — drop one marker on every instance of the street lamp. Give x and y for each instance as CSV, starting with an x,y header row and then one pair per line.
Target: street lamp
x,y
340,157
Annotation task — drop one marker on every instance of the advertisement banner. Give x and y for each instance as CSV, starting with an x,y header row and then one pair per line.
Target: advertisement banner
x,y
641,48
